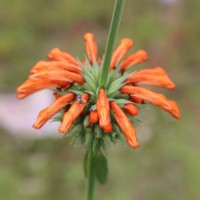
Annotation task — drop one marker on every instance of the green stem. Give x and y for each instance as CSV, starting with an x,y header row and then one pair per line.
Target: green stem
x,y
91,174
111,41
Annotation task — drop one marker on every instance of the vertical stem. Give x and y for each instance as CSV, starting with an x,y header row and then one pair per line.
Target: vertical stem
x,y
111,41
91,174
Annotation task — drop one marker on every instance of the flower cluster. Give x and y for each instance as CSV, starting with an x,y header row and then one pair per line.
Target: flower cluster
x,y
93,113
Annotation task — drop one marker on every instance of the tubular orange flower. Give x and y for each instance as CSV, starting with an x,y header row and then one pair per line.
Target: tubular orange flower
x,y
103,109
120,51
32,86
133,59
55,65
91,47
71,78
160,80
56,106
73,113
154,98
57,54
94,116
131,109
58,75
125,125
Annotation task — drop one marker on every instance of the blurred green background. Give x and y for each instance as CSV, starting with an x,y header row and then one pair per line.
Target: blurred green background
x,y
167,165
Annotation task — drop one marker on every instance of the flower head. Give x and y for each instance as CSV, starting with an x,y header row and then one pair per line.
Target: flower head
x,y
93,113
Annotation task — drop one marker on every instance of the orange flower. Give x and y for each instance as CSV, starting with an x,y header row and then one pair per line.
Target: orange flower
x,y
57,54
121,50
152,78
73,113
154,98
55,65
133,59
103,109
32,86
57,75
56,106
94,116
131,109
91,47
125,125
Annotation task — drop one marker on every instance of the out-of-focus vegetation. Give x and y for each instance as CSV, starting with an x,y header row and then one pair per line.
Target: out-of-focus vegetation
x,y
167,165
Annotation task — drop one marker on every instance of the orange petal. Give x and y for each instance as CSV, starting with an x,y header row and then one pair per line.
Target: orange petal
x,y
94,116
57,54
120,51
152,97
175,110
58,75
131,109
32,86
73,113
91,47
55,65
159,81
51,110
125,125
103,109
133,59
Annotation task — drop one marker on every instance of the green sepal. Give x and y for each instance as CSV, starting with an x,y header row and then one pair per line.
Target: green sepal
x,y
86,121
75,130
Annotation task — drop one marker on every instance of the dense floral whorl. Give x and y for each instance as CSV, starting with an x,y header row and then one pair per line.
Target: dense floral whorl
x,y
94,114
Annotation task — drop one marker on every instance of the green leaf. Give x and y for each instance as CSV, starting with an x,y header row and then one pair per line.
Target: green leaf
x,y
101,169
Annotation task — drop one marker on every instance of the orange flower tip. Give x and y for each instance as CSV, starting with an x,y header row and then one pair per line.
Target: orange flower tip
x,y
53,52
93,116
62,129
108,128
21,94
136,99
88,36
142,55
131,109
37,126
128,42
133,143
174,109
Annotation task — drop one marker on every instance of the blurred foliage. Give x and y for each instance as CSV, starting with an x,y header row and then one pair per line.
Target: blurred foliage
x,y
167,165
